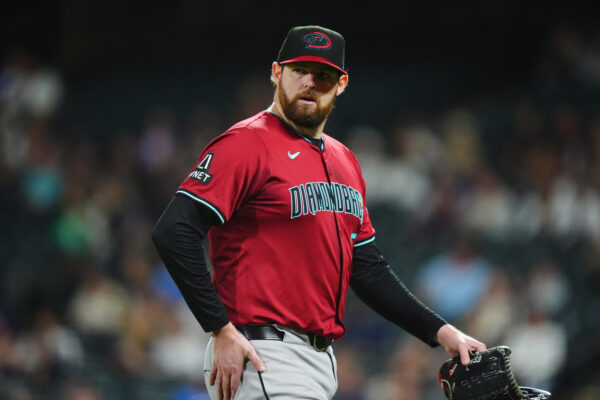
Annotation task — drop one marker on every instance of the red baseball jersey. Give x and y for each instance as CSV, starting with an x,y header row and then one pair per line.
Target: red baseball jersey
x,y
290,215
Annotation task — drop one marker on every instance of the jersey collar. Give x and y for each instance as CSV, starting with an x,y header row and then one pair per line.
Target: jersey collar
x,y
322,146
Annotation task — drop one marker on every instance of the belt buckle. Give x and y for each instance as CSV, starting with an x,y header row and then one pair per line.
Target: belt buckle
x,y
318,346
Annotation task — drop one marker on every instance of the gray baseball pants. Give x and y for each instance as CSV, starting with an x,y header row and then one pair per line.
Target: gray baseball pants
x,y
294,370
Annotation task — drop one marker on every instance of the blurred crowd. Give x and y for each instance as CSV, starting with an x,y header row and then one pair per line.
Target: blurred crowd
x,y
489,211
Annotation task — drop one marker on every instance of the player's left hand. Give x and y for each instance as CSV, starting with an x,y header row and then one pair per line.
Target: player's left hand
x,y
456,342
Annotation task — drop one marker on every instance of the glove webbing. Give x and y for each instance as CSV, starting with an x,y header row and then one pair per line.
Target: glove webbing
x,y
513,387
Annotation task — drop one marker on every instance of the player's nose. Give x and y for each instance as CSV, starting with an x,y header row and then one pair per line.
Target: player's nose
x,y
309,80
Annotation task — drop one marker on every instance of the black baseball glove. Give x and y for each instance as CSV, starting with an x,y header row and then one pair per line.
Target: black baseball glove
x,y
488,376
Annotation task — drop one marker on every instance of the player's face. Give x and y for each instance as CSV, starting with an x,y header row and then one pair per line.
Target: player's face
x,y
307,91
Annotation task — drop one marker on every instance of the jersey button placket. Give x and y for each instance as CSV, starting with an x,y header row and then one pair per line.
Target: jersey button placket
x,y
336,218
326,163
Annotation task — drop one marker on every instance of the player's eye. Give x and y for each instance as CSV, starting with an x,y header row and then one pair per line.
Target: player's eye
x,y
325,75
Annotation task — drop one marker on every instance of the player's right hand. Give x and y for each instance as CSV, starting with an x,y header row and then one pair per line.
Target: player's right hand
x,y
458,343
231,349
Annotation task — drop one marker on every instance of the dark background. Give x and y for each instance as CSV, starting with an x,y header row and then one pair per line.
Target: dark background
x,y
413,55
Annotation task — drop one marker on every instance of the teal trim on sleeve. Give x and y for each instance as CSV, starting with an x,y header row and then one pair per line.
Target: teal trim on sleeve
x,y
371,239
205,203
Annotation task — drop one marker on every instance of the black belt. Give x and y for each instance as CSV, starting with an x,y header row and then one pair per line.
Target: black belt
x,y
269,332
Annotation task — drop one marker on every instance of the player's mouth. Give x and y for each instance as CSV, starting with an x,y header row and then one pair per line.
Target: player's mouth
x,y
307,100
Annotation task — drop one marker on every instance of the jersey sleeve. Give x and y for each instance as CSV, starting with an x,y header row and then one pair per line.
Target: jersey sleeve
x,y
229,171
366,233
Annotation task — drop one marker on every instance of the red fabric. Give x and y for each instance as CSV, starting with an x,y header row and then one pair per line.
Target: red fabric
x,y
314,59
277,258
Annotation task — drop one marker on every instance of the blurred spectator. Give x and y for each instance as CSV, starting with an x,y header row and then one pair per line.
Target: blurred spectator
x,y
540,170
190,392
453,282
178,352
164,286
489,207
157,145
27,88
539,348
350,374
422,157
366,330
389,180
82,227
414,142
28,93
529,216
143,318
460,133
525,132
8,360
203,124
254,94
97,308
160,159
584,326
406,373
548,288
49,351
81,391
496,311
574,209
42,180
368,145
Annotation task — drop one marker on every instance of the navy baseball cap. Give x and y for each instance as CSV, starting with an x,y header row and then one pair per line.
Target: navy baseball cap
x,y
313,43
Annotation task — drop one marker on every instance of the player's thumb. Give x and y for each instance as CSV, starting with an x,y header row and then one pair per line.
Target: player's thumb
x,y
255,359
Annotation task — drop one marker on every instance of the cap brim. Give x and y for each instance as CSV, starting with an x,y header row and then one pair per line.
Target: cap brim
x,y
314,59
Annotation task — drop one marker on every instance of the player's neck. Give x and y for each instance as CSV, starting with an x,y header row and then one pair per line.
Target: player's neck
x,y
313,133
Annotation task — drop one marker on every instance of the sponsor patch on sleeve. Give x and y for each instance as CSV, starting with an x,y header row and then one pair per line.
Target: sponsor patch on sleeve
x,y
201,173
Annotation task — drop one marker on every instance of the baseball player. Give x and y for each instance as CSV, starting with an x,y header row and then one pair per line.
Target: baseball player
x,y
284,207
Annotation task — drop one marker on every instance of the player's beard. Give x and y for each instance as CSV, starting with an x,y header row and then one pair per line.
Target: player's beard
x,y
304,116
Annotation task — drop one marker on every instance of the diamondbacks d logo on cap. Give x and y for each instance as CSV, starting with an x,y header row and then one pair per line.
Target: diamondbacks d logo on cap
x,y
313,43
316,40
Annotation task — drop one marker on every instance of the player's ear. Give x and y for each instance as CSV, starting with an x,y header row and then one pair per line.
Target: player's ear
x,y
342,83
276,70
